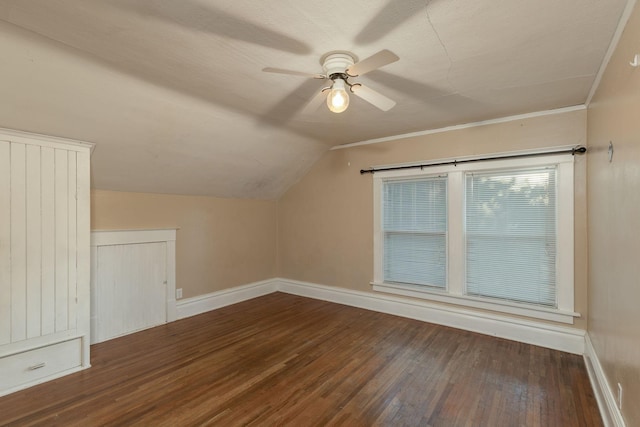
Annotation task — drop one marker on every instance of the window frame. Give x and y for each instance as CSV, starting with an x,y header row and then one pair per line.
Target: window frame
x,y
454,290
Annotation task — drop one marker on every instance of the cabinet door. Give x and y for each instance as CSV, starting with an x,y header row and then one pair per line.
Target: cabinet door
x,y
131,288
38,241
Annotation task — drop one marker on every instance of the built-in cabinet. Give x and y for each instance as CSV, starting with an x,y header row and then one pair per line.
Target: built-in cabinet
x,y
44,258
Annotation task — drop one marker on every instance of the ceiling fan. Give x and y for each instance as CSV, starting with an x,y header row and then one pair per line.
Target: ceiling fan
x,y
339,66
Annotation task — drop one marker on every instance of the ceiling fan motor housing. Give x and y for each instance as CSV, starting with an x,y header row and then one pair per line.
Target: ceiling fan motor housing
x,y
337,62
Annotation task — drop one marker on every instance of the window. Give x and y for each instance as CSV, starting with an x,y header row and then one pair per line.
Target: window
x,y
511,235
415,231
495,235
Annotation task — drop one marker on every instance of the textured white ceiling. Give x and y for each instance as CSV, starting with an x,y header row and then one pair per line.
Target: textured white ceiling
x,y
173,95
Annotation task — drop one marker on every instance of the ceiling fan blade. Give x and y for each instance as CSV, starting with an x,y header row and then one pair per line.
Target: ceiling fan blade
x,y
315,102
373,62
293,73
373,97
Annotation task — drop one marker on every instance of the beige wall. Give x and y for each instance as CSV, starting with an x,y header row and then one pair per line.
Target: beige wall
x,y
220,243
326,221
614,221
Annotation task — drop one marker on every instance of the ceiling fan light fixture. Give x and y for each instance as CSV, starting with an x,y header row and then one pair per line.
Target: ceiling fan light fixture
x,y
338,98
339,66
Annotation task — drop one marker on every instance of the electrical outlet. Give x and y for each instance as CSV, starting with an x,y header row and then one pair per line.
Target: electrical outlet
x,y
620,396
178,293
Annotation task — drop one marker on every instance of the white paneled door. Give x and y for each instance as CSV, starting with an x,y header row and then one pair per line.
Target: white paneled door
x,y
131,288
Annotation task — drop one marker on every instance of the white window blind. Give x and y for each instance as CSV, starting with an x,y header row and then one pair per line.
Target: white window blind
x,y
414,224
511,235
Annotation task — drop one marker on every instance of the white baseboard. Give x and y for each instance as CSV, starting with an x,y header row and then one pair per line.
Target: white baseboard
x,y
542,334
604,395
201,304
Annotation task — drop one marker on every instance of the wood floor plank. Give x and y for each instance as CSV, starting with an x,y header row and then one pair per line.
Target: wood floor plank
x,y
287,360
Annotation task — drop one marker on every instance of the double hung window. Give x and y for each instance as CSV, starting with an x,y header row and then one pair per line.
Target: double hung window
x,y
495,235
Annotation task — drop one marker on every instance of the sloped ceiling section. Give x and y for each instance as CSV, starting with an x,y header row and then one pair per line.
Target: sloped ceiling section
x,y
173,95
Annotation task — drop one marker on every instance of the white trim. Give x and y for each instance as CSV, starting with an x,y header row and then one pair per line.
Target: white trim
x,y
463,126
475,302
622,23
45,140
171,280
560,338
456,260
39,342
546,335
201,304
93,317
565,237
604,395
378,235
126,237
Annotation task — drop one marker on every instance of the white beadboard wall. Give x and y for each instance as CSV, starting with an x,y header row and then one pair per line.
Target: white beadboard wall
x,y
38,240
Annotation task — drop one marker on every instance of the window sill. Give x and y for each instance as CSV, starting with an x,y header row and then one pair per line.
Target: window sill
x,y
417,291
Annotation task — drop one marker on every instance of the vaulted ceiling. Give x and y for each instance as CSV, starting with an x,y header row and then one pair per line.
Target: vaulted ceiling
x,y
172,92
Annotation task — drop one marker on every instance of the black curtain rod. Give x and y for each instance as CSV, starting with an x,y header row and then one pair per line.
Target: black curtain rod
x,y
572,151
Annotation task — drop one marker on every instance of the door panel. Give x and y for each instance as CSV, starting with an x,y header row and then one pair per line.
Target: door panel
x,y
131,288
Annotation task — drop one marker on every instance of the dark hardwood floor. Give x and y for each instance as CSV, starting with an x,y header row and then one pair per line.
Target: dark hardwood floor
x,y
287,360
